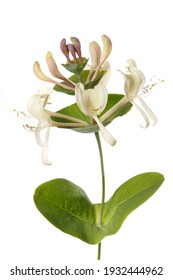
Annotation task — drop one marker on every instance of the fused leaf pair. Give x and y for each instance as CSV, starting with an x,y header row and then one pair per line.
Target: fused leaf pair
x,y
68,207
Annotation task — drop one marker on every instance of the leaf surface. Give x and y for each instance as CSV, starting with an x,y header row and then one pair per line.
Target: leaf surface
x,y
68,207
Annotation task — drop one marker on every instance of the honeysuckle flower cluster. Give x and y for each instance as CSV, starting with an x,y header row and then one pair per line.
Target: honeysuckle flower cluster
x,y
61,202
88,84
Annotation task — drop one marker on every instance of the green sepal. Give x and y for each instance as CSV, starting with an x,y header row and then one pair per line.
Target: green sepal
x,y
76,68
68,207
83,77
63,90
74,111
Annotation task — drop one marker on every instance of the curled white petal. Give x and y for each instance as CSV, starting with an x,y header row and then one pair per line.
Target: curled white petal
x,y
105,133
148,110
45,159
147,122
36,106
81,99
40,127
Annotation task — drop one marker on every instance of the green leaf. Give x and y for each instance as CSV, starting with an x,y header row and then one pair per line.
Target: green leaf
x,y
76,68
95,81
74,111
67,206
75,78
128,197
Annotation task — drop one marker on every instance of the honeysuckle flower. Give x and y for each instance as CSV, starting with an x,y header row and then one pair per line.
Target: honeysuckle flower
x,y
98,57
134,81
36,105
37,108
54,71
92,102
133,86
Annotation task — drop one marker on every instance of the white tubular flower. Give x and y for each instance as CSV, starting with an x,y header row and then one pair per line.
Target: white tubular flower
x,y
92,102
95,52
39,73
98,57
107,48
134,81
36,107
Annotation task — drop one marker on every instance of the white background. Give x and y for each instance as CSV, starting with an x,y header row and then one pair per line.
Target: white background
x,y
141,30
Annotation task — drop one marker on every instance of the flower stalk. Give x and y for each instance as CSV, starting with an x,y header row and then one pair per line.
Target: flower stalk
x,y
103,188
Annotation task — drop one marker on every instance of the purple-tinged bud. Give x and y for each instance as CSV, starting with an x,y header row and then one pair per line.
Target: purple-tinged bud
x,y
77,46
75,41
72,50
65,50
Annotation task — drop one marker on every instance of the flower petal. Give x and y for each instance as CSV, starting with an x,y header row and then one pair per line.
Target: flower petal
x,y
81,98
107,48
36,106
148,110
95,52
91,101
39,73
45,159
44,91
38,135
53,66
98,99
105,133
143,114
134,79
106,67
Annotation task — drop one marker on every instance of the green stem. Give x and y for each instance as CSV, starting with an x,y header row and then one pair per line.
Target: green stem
x,y
99,251
80,78
103,187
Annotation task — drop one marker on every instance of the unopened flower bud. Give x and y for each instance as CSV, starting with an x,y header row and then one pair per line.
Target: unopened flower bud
x,y
64,49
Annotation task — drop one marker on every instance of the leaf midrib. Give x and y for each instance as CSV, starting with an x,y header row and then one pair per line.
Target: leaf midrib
x,y
66,210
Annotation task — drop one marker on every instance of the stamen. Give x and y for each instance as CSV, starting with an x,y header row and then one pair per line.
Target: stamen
x,y
145,91
30,128
22,115
96,109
